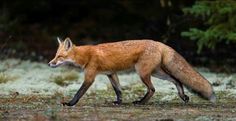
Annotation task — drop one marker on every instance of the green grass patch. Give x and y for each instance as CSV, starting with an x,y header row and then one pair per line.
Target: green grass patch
x,y
4,77
65,78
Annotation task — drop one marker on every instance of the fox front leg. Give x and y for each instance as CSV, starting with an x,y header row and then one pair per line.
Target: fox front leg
x,y
89,79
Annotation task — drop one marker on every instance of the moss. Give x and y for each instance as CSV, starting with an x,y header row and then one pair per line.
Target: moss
x,y
66,78
4,77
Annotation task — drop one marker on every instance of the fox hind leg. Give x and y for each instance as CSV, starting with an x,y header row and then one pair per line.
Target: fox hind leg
x,y
116,86
180,89
144,69
150,90
161,74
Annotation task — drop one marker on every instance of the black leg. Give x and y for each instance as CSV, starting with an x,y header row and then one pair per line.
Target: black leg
x,y
78,95
116,86
150,90
180,89
89,79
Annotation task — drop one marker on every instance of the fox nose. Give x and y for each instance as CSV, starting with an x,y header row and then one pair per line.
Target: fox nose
x,y
52,64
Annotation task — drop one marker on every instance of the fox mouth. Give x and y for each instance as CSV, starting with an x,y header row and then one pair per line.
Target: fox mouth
x,y
59,64
55,65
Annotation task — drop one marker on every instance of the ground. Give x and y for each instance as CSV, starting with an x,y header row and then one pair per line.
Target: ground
x,y
33,91
98,106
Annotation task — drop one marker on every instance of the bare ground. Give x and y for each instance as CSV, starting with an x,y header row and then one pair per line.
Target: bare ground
x,y
98,106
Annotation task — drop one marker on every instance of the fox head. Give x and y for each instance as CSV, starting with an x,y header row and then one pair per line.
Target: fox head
x,y
64,53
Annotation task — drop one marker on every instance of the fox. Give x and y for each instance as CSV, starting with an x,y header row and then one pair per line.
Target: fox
x,y
147,57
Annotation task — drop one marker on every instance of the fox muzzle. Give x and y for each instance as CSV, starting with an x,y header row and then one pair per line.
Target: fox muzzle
x,y
52,65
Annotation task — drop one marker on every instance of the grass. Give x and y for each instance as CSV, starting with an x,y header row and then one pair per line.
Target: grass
x,y
4,77
66,78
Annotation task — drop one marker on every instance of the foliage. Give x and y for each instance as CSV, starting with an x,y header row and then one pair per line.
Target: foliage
x,y
85,22
219,22
6,23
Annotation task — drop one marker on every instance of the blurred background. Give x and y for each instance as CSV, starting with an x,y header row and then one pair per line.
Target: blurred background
x,y
204,32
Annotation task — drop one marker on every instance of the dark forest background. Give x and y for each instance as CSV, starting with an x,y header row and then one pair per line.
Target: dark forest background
x,y
204,32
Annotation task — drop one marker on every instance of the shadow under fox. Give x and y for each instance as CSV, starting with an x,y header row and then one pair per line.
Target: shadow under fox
x,y
148,57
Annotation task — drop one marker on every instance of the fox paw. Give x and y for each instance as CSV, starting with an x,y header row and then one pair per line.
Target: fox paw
x,y
185,99
64,103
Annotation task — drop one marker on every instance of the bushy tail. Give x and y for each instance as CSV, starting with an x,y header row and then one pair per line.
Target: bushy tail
x,y
178,67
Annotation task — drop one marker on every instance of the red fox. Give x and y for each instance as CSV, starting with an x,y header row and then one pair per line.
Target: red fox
x,y
147,57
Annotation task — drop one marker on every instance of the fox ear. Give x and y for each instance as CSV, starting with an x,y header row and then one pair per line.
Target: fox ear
x,y
59,41
68,43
